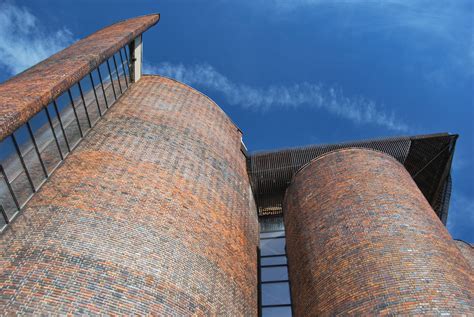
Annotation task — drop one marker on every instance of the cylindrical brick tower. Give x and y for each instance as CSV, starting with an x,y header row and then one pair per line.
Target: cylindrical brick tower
x,y
467,250
151,214
362,239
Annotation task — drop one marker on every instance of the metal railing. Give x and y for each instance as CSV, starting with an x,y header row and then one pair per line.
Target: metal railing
x,y
30,154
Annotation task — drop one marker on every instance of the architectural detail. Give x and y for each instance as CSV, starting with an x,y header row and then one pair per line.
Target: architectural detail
x,y
137,58
363,240
131,194
27,93
467,250
427,158
127,226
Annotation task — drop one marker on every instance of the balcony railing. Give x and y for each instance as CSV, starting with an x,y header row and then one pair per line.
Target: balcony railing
x,y
37,147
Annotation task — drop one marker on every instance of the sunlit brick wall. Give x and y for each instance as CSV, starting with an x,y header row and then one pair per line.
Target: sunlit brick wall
x,y
467,250
363,240
152,213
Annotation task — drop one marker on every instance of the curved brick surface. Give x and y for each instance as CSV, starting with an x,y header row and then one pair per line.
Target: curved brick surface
x,y
24,95
362,239
152,213
467,250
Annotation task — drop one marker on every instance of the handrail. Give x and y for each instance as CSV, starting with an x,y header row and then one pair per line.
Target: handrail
x,y
24,95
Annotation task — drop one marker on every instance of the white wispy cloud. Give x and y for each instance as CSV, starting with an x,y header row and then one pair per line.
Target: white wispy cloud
x,y
333,100
24,41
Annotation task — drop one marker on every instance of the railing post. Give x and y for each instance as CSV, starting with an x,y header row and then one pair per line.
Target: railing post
x,y
136,53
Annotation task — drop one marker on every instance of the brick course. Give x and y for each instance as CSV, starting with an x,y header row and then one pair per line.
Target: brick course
x,y
467,250
363,240
152,213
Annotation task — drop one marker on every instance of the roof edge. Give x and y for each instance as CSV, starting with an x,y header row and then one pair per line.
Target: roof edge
x,y
394,138
200,93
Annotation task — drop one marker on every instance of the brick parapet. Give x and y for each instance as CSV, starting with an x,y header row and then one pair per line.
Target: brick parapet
x,y
152,213
24,95
362,240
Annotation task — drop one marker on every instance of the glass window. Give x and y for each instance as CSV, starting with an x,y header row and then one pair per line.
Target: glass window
x,y
273,268
275,293
123,53
271,224
272,246
81,110
16,176
272,234
99,91
68,118
57,128
44,138
120,73
276,312
277,273
274,260
104,72
90,100
115,75
32,163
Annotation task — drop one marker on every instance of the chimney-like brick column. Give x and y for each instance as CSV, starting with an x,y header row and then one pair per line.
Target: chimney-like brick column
x,y
151,214
362,239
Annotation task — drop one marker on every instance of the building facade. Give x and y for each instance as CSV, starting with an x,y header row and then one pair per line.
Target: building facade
x,y
124,193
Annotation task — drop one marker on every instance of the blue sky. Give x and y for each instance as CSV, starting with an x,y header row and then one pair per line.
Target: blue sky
x,y
294,72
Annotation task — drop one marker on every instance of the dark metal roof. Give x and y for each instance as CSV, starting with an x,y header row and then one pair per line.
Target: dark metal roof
x,y
426,157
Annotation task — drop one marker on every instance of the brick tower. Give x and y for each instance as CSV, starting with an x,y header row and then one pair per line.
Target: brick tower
x,y
376,245
132,194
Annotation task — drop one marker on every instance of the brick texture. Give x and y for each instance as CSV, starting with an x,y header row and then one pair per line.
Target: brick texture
x,y
362,240
152,213
24,95
467,250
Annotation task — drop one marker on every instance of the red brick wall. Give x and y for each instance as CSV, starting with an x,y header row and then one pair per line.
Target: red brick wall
x,y
152,213
362,239
467,250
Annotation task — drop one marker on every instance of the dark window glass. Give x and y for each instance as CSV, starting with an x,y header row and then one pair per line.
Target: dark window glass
x,y
272,246
98,90
272,234
277,273
82,112
273,260
45,140
107,82
90,100
68,118
19,178
120,71
276,312
115,77
123,53
16,176
275,294
271,224
2,221
57,128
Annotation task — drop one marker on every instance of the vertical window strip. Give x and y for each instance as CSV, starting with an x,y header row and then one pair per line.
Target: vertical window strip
x,y
40,143
279,285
